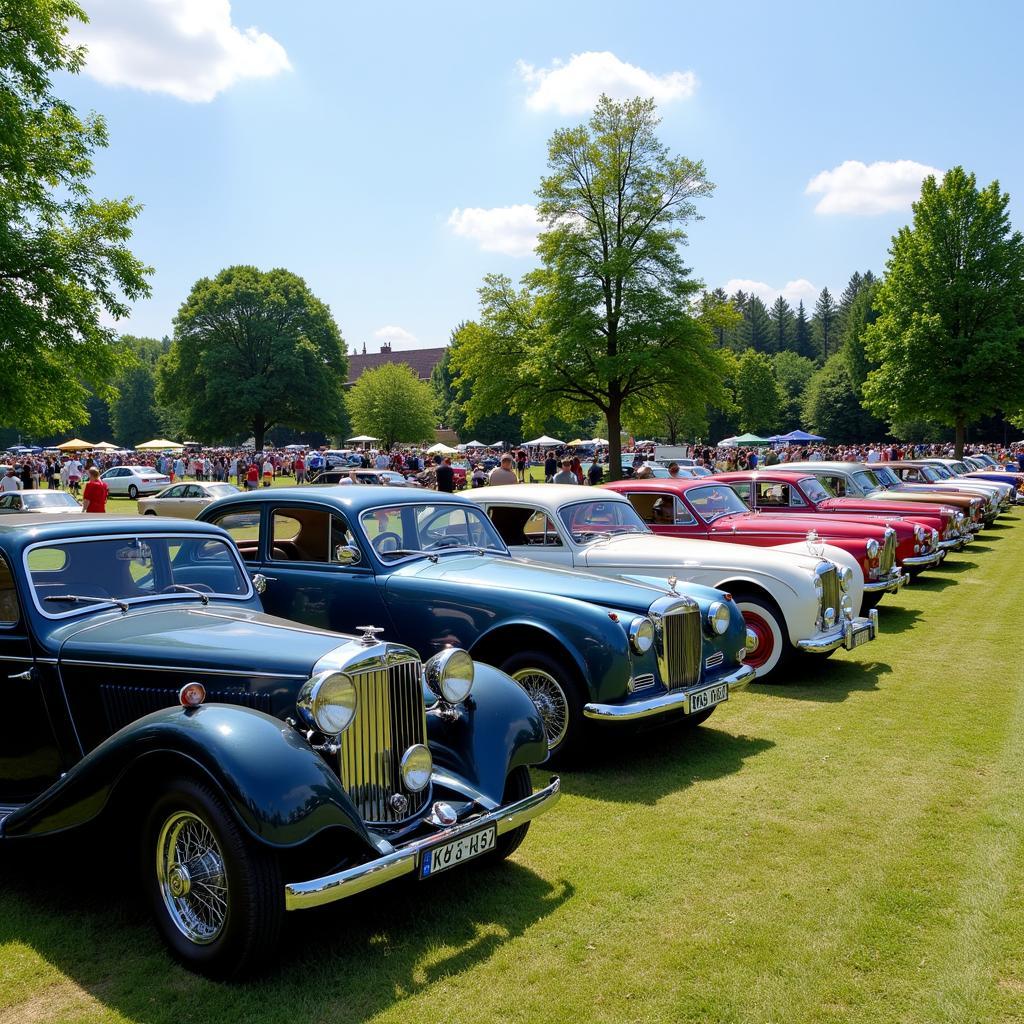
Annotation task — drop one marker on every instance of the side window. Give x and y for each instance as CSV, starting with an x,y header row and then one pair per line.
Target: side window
x,y
684,517
176,491
519,527
771,495
837,485
743,490
796,499
10,611
244,527
538,530
5,501
299,535
660,509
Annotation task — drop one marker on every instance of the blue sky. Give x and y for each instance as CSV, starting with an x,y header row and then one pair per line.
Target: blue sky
x,y
376,149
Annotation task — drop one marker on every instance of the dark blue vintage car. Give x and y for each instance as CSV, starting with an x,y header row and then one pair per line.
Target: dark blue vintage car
x,y
266,765
432,569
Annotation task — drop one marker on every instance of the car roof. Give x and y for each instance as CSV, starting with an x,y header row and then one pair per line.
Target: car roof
x,y
345,497
789,476
661,483
550,496
814,467
18,530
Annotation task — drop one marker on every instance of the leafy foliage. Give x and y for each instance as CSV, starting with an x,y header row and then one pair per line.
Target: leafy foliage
x,y
253,350
793,373
392,403
134,414
859,317
949,338
832,409
757,393
825,323
64,263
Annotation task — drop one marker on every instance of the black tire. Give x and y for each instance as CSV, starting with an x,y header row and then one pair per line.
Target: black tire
x,y
869,601
692,721
562,710
133,492
243,933
518,786
149,512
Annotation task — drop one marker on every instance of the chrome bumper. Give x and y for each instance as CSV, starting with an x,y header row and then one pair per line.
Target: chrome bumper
x,y
890,585
842,635
405,859
953,544
919,561
666,703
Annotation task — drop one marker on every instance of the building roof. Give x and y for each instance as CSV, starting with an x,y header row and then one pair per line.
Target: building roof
x,y
421,360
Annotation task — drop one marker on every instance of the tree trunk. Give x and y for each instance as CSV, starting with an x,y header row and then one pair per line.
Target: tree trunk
x,y
614,440
961,434
259,432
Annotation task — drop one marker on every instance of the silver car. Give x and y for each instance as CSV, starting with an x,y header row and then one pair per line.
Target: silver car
x,y
184,501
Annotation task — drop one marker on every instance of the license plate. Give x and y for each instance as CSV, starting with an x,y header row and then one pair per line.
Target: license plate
x,y
860,638
708,697
458,851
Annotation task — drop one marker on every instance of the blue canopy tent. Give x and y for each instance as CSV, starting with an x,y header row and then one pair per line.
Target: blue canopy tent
x,y
798,435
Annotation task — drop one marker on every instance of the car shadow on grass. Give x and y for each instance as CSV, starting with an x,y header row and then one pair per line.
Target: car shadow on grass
x,y
344,962
829,684
644,765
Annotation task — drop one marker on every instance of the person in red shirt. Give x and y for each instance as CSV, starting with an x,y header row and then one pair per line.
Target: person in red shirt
x,y
252,476
94,495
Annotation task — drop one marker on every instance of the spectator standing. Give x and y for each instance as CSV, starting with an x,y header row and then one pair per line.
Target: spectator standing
x,y
300,469
576,466
74,474
268,472
479,476
252,476
445,476
550,467
565,475
10,481
503,473
521,465
94,494
595,474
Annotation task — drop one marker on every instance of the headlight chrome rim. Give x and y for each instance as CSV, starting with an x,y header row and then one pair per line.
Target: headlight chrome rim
x,y
449,674
845,576
873,548
328,702
416,767
641,634
719,618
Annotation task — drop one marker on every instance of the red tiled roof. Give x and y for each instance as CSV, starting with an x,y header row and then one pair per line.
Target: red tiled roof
x,y
421,360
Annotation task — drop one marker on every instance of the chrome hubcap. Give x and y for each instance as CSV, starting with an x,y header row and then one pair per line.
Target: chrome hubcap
x,y
193,882
549,699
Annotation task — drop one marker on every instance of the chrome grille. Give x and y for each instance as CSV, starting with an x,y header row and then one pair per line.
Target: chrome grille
x,y
887,556
829,590
390,718
682,644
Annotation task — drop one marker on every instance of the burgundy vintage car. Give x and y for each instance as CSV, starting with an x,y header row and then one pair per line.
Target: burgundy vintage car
x,y
919,536
706,510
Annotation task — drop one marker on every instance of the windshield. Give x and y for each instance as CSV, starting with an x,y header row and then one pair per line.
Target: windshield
x,y
869,480
72,576
933,473
711,503
402,530
591,520
886,477
48,499
815,489
959,467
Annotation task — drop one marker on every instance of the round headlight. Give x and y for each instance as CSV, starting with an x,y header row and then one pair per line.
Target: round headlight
x,y
327,702
919,533
718,617
449,674
845,577
641,634
830,616
846,605
873,548
415,767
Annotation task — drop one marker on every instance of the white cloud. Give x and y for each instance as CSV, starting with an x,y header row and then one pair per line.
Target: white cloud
x,y
574,87
398,336
188,48
511,230
866,189
793,291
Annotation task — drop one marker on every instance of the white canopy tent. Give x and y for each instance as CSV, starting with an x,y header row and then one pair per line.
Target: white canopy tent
x,y
363,437
543,440
441,449
474,444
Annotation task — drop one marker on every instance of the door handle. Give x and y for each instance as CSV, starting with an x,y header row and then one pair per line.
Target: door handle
x,y
27,676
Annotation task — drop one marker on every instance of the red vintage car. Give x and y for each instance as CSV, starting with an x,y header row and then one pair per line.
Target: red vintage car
x,y
919,535
706,510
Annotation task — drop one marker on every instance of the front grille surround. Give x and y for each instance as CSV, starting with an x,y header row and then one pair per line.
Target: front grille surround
x,y
887,555
679,641
830,591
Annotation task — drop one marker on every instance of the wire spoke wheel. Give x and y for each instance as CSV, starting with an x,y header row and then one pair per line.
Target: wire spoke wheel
x,y
550,700
192,878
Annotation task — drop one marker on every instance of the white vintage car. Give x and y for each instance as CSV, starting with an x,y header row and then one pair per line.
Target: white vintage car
x,y
794,598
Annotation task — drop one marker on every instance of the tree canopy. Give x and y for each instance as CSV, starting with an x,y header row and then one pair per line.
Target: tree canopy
x,y
252,350
392,403
757,393
64,262
605,322
949,338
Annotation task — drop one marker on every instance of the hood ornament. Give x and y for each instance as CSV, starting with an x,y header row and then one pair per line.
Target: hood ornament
x,y
815,544
672,581
369,637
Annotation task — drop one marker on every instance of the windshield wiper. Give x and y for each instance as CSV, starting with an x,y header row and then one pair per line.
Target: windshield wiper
x,y
78,599
192,590
408,551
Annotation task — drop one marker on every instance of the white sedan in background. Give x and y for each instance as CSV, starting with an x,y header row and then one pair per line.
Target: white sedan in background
x,y
184,501
131,481
794,597
45,502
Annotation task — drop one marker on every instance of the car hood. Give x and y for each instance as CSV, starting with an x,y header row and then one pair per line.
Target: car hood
x,y
471,570
798,526
882,507
215,636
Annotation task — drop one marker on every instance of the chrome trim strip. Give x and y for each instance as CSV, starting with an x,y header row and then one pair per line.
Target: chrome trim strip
x,y
318,891
241,672
839,636
666,703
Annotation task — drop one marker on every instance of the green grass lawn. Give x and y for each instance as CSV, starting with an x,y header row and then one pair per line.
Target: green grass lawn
x,y
845,847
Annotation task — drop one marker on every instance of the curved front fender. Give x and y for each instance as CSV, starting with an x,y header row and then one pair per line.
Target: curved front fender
x,y
499,730
281,790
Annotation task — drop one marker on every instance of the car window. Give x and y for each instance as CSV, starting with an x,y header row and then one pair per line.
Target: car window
x,y
796,499
836,484
175,492
539,529
16,502
587,521
714,501
660,509
299,535
772,495
743,490
10,611
244,527
5,501
401,531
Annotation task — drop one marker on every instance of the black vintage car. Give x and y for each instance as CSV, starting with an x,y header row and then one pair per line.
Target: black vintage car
x,y
267,766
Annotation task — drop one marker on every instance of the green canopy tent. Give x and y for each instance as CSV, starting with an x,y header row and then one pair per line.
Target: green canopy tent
x,y
750,439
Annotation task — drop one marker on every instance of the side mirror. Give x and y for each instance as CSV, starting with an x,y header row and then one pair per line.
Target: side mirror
x,y
347,554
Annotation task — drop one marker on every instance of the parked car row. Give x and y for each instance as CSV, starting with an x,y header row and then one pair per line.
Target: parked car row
x,y
298,694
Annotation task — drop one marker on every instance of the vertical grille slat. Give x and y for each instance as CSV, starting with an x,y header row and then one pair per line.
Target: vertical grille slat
x,y
888,556
829,589
683,647
390,718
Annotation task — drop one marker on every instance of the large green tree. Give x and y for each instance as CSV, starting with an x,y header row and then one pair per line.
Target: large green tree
x,y
757,393
65,269
606,320
860,315
253,350
134,413
949,338
781,315
793,373
831,406
826,324
393,404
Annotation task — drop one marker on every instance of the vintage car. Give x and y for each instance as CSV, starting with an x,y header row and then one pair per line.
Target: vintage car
x,y
709,510
357,475
796,597
46,503
777,492
915,475
185,500
260,766
957,517
433,572
1008,483
974,467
